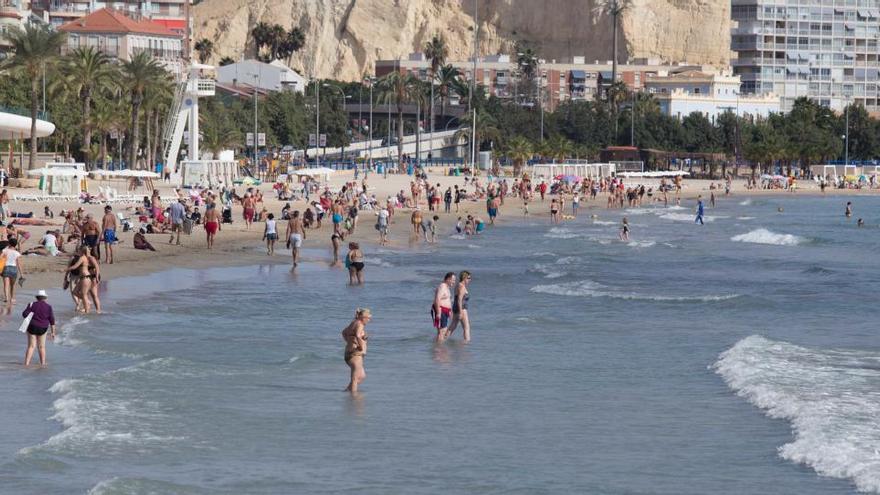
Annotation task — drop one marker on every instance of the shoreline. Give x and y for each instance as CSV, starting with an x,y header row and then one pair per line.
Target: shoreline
x,y
237,247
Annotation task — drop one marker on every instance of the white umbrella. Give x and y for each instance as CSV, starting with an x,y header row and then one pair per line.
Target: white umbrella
x,y
55,172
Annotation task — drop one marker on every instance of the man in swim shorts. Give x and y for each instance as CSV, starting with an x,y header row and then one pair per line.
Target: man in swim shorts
x,y
212,223
441,310
90,231
109,229
296,234
249,206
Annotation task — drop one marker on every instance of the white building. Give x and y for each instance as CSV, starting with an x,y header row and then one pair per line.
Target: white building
x,y
267,77
711,94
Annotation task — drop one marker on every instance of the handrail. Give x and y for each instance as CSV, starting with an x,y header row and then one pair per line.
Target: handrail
x,y
41,115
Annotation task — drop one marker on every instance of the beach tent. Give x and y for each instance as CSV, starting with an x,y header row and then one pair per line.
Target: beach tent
x,y
59,180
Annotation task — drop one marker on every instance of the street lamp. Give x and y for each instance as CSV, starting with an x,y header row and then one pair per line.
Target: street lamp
x,y
371,81
256,79
317,119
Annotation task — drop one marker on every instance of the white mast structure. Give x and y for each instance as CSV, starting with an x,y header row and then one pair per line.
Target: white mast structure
x,y
184,115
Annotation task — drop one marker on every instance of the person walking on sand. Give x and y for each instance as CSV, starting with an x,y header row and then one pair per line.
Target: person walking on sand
x,y
212,223
177,214
460,307
270,234
250,207
296,234
700,209
11,270
441,309
43,320
355,337
382,225
108,228
354,261
90,233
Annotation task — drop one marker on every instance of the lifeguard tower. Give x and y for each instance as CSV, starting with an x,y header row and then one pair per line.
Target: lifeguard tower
x,y
184,116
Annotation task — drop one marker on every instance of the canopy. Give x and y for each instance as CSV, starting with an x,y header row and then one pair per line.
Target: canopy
x,y
658,173
126,173
315,172
55,172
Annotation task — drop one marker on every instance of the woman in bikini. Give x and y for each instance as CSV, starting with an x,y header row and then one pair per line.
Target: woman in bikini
x,y
354,261
460,307
355,338
84,285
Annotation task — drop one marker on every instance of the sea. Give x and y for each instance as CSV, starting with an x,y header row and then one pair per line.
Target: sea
x,y
736,357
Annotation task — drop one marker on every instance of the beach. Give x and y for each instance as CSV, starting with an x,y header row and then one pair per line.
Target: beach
x,y
726,358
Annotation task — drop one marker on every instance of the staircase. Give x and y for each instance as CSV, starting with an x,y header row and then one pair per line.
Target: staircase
x,y
175,124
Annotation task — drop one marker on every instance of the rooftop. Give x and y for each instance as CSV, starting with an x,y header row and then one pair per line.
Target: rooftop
x,y
109,20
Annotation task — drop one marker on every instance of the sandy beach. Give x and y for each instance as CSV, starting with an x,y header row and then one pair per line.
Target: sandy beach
x,y
237,246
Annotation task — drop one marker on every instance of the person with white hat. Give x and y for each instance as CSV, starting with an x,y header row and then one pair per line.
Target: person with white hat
x,y
42,320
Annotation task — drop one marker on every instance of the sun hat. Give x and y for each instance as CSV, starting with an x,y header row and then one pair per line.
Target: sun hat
x,y
41,293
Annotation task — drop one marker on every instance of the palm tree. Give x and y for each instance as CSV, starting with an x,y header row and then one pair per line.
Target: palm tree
x,y
205,47
519,149
446,79
36,48
437,51
613,9
486,129
138,75
293,42
400,89
226,61
87,71
110,115
156,100
559,148
261,34
218,134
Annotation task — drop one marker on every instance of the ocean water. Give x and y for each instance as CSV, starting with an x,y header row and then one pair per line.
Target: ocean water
x,y
739,357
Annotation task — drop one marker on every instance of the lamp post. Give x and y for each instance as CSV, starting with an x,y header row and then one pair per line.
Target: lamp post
x,y
473,89
370,155
256,79
317,119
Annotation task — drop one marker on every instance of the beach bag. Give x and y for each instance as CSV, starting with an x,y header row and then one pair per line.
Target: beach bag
x,y
26,322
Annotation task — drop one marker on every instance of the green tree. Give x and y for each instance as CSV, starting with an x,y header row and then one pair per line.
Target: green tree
x,y
36,47
399,89
217,131
292,42
87,71
205,48
139,74
518,150
226,61
446,79
486,129
613,9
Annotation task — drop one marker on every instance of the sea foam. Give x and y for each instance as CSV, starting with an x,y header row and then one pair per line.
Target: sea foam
x,y
588,288
764,236
829,397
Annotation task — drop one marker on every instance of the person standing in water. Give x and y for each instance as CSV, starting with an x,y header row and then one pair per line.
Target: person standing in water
x,y
354,261
296,234
43,320
624,230
355,337
849,209
700,209
460,307
441,309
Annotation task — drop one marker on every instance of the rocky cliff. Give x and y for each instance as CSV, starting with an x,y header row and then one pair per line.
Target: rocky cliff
x,y
345,37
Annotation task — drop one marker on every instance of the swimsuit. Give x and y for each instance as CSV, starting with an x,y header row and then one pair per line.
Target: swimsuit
x,y
351,354
36,331
441,320
90,240
109,236
337,218
248,213
464,304
296,240
211,227
357,265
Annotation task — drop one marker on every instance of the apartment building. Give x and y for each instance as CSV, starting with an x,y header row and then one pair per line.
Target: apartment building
x,y
121,37
824,50
709,93
13,14
554,81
